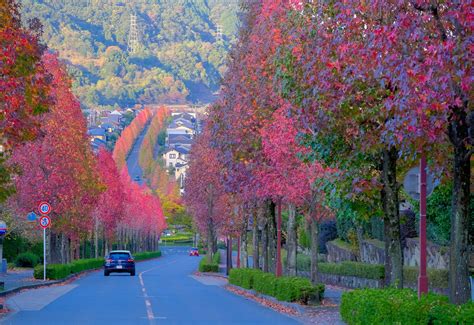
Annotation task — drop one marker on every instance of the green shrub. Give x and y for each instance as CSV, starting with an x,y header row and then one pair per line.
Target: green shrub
x,y
27,259
61,271
283,288
86,264
436,278
146,255
243,277
362,270
248,277
296,289
216,258
205,266
401,306
265,283
53,271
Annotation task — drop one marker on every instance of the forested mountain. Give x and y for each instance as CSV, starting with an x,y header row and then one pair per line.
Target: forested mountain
x,y
180,56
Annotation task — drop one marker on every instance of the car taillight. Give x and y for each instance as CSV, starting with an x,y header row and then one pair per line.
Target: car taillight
x,y
108,260
130,260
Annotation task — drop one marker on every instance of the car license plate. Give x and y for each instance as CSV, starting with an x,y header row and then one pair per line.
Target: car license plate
x,y
119,266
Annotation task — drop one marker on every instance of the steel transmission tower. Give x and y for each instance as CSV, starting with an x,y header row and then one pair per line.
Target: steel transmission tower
x,y
133,37
218,33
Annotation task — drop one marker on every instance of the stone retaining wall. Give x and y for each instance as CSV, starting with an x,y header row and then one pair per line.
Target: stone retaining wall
x,y
338,254
373,252
437,256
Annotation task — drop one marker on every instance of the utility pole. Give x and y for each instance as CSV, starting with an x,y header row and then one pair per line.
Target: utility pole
x,y
133,37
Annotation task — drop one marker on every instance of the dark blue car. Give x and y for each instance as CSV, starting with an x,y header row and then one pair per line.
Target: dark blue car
x,y
120,262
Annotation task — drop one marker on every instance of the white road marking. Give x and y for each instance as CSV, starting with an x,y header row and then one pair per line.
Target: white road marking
x,y
149,308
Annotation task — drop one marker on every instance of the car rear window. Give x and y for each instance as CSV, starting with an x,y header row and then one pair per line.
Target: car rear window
x,y
119,256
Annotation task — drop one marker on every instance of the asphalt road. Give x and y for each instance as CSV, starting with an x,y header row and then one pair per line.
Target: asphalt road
x,y
134,169
163,292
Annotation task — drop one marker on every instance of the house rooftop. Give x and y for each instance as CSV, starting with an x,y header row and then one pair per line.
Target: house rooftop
x,y
96,132
176,124
182,150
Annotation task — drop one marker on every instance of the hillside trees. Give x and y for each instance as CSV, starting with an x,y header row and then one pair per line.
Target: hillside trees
x,y
179,58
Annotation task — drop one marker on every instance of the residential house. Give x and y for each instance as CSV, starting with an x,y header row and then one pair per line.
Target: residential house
x,y
115,116
180,173
175,155
188,116
175,140
108,127
96,133
96,144
171,157
181,127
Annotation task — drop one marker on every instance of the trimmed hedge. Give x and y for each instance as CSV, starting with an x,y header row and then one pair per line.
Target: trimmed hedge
x,y
53,271
27,259
61,271
283,288
362,270
204,266
146,255
437,278
401,306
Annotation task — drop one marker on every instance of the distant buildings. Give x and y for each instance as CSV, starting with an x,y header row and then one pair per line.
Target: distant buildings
x,y
179,138
104,127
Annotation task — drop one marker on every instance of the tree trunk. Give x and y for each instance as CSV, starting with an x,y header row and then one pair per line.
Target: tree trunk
x,y
459,283
265,244
393,244
360,238
272,239
96,237
255,242
291,243
55,248
63,249
243,248
210,241
314,236
48,246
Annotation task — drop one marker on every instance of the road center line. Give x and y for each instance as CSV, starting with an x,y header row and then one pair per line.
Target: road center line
x,y
149,309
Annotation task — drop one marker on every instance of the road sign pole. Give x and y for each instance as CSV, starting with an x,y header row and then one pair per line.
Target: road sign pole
x,y
422,278
44,254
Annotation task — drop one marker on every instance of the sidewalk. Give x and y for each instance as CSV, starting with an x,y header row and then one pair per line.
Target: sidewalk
x,y
15,280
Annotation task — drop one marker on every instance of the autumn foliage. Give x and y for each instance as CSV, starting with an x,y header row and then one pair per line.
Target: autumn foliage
x,y
129,135
330,102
